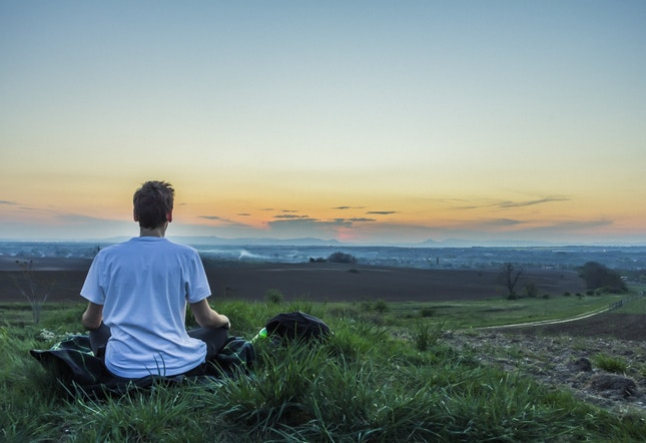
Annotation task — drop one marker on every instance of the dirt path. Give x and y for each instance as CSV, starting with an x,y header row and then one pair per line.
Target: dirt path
x,y
549,322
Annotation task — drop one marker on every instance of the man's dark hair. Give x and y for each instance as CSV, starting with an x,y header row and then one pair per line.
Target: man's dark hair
x,y
152,202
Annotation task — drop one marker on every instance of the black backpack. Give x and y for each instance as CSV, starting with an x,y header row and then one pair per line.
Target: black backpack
x,y
297,326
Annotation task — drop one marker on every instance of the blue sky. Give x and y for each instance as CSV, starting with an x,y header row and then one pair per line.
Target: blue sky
x,y
370,122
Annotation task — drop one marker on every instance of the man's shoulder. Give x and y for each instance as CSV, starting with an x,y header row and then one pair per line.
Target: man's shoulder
x,y
117,246
132,243
180,248
143,243
110,249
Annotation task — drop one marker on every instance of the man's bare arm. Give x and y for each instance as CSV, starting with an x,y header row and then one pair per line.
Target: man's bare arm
x,y
93,316
207,317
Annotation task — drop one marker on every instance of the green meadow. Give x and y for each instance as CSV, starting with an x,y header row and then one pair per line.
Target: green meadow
x,y
385,375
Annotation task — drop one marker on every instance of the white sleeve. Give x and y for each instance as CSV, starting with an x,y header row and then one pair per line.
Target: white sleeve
x,y
92,289
197,284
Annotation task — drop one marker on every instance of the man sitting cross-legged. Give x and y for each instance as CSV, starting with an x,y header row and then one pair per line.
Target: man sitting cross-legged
x,y
138,291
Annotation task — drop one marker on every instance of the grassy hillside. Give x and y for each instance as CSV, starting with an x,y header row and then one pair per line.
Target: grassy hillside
x,y
386,375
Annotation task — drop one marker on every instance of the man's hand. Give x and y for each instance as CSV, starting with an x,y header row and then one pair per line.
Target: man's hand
x,y
207,317
225,320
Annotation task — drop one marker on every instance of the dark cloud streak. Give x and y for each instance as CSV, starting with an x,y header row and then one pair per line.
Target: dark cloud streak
x,y
291,216
573,226
344,208
361,219
509,204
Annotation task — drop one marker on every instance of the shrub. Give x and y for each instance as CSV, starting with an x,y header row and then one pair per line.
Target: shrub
x,y
274,296
425,336
34,287
531,290
426,312
597,275
341,257
381,306
610,364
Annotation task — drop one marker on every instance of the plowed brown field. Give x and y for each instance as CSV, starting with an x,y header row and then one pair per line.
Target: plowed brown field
x,y
317,282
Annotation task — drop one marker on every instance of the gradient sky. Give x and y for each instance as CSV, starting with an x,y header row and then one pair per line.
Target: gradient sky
x,y
361,121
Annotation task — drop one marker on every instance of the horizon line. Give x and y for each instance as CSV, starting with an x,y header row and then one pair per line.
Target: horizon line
x,y
314,241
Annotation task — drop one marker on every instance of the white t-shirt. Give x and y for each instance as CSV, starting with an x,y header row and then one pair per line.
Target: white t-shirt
x,y
144,285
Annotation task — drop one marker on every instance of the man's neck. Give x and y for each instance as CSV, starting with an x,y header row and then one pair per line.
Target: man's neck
x,y
159,231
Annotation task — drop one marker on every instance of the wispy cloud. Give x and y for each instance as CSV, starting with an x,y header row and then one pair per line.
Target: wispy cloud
x,y
244,214
503,230
510,230
290,216
381,212
351,220
307,227
310,222
361,219
6,202
466,206
223,221
574,225
540,201
284,211
344,208
505,204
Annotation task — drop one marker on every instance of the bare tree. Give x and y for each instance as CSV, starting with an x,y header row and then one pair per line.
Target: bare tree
x,y
510,275
34,287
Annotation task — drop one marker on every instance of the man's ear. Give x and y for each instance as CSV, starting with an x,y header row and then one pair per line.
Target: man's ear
x,y
135,216
169,216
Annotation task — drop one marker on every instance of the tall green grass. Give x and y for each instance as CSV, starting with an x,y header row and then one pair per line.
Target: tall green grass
x,y
378,379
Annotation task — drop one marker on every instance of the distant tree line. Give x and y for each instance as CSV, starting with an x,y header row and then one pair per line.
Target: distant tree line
x,y
598,276
335,257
